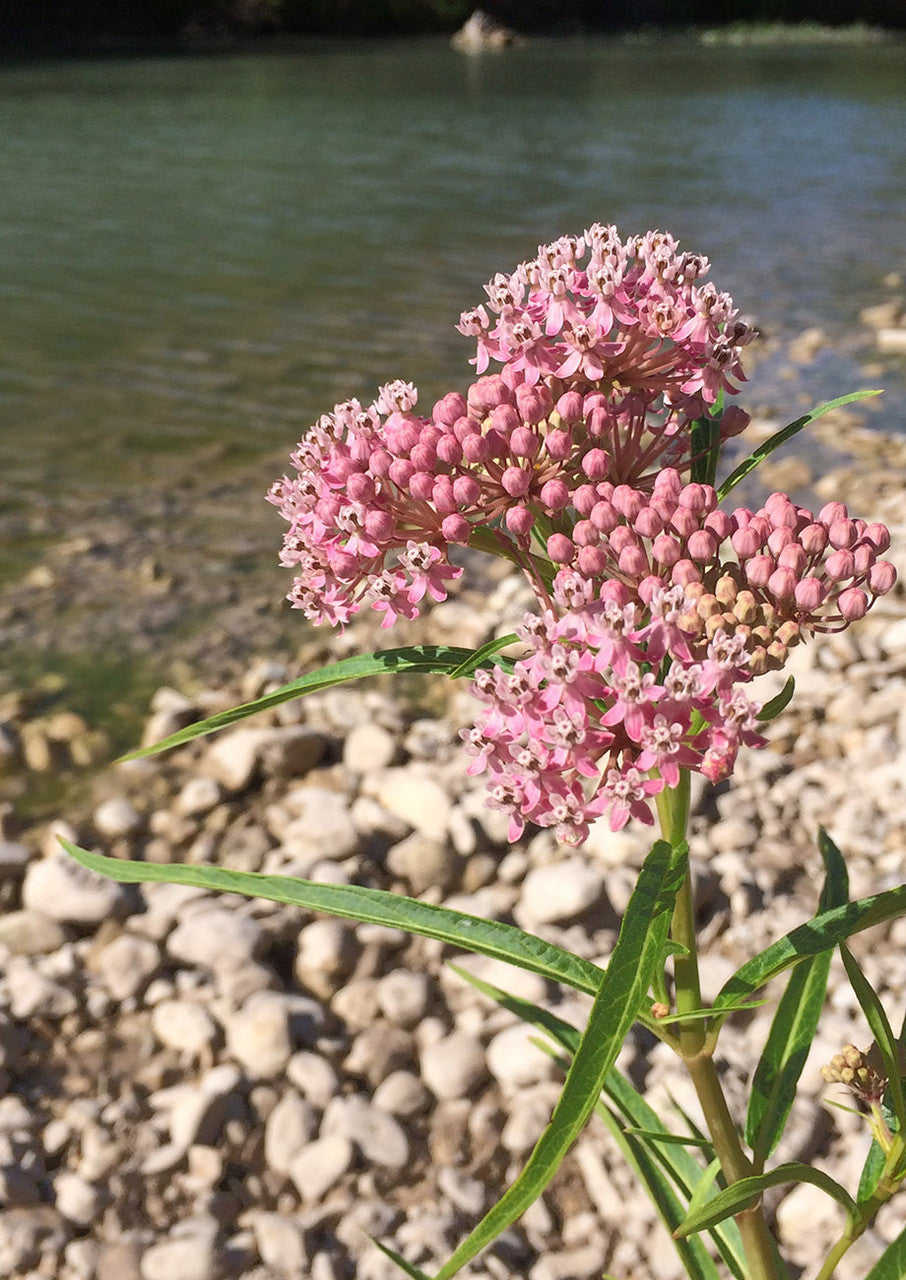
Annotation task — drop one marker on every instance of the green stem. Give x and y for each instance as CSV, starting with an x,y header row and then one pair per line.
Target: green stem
x,y
673,810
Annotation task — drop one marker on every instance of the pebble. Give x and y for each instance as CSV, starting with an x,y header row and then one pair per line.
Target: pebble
x,y
57,886
198,797
14,858
237,757
561,891
76,1199
281,1244
313,1076
404,997
424,862
215,938
182,1258
183,1025
117,818
514,1061
291,1125
417,798
326,952
379,1137
258,1035
402,1094
368,747
30,933
323,828
320,1165
126,965
455,1066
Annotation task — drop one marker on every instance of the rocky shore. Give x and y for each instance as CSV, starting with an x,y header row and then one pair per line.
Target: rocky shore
x,y
199,1088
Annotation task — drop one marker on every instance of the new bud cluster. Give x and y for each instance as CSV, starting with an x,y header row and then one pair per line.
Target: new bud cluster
x,y
655,605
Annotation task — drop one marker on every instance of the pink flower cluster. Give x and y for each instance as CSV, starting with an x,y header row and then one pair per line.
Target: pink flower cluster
x,y
655,604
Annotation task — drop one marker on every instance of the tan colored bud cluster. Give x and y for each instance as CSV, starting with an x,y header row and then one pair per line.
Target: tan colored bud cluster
x,y
728,606
852,1068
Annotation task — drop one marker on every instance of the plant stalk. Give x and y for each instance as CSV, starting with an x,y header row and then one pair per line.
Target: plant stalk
x,y
673,810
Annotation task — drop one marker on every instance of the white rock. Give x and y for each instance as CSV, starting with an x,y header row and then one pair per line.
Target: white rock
x,y
378,1136
183,1025
117,817
326,951
892,341
313,1076
416,798
455,1066
369,747
805,1213
14,858
258,1035
61,889
32,994
215,938
402,1094
404,997
514,1061
30,933
197,1111
126,964
323,828
281,1244
424,862
288,752
180,1258
290,1126
320,1165
198,796
77,1199
561,891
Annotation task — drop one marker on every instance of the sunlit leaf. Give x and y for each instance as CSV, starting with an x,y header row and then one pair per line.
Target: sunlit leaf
x,y
881,1029
739,1195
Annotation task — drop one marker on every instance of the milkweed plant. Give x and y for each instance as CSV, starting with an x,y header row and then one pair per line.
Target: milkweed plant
x,y
586,453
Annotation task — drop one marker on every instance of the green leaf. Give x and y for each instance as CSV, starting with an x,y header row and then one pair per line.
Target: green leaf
x,y
780,437
892,1263
703,1186
772,709
625,985
794,1025
480,657
679,1166
677,1139
373,906
408,1267
705,447
436,659
739,1195
824,932
871,1170
881,1030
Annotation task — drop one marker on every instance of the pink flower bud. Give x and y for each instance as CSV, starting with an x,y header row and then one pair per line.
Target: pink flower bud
x,y
487,393
456,528
360,488
516,482
466,490
780,538
447,410
430,435
449,450
698,498
666,550
720,524
746,542
878,535
585,534
421,485
463,427
524,443
882,577
379,462
758,570
633,561
782,584
344,566
560,548
809,594
842,534
533,403
684,573
558,445
701,546
840,565
853,604
793,557
597,422
604,517
832,511
379,525
741,518
401,471
569,407
648,523
584,498
668,484
442,496
595,464
555,495
864,556
498,444
402,437
591,561
622,536
423,458
475,449
648,586
781,511
505,419
813,539
734,421
629,502
594,400
684,521
519,520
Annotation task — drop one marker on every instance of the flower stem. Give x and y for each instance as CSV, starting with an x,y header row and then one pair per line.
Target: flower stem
x,y
673,809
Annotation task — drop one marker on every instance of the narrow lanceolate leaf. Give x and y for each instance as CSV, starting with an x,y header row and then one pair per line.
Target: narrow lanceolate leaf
x,y
794,1026
655,1148
825,931
881,1030
481,656
625,985
371,906
871,1172
786,433
705,448
772,709
892,1263
432,659
408,1267
742,1193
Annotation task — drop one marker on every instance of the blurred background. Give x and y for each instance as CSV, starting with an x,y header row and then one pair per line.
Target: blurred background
x,y
216,220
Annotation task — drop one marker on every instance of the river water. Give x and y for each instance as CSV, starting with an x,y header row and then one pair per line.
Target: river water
x,y
199,255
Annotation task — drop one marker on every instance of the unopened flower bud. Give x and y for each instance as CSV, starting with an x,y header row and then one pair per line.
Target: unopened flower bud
x,y
595,464
560,549
554,495
882,577
591,561
813,539
447,410
569,407
516,481
456,528
852,603
519,520
558,445
534,403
